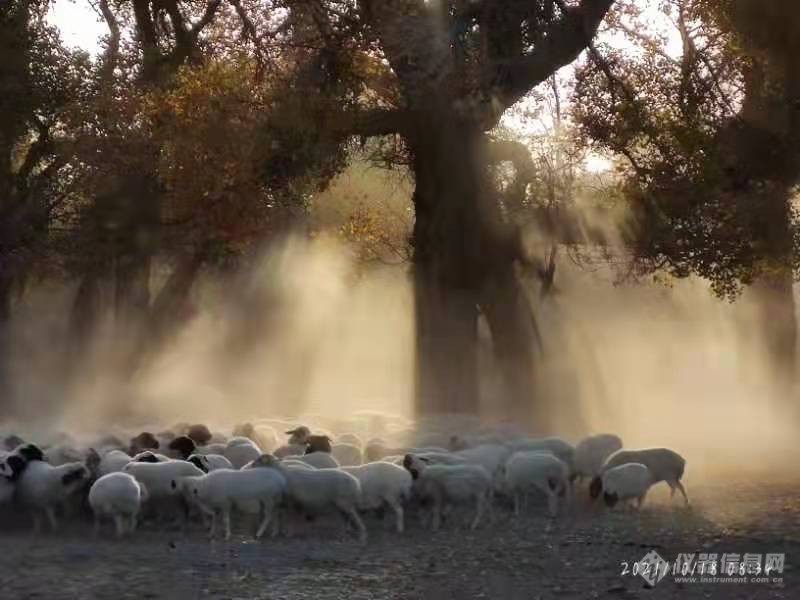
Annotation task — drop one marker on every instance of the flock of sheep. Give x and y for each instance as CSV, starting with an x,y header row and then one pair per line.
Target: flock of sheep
x,y
189,474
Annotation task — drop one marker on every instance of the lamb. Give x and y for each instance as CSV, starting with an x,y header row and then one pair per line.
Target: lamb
x,y
664,465
626,482
222,490
157,479
592,452
319,460
383,483
347,455
240,451
315,491
447,485
539,470
41,487
119,496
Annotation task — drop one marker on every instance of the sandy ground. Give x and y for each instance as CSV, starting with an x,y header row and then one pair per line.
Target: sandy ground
x,y
578,556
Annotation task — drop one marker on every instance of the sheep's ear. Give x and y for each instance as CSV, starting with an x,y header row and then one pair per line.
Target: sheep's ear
x,y
427,461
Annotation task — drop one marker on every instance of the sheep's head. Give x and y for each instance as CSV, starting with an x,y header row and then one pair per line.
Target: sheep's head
x,y
415,465
299,435
199,434
145,457
456,443
144,441
29,452
199,461
318,443
610,499
595,487
74,476
183,446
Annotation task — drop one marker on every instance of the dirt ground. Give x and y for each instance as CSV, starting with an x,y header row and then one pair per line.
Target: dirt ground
x,y
577,556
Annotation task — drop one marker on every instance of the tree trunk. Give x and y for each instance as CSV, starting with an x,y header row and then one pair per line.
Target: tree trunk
x,y
776,307
462,261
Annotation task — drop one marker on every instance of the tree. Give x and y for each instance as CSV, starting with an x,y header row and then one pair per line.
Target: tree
x,y
455,69
710,148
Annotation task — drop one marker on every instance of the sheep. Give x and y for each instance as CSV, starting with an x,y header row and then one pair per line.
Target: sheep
x,y
664,465
157,479
315,491
149,456
182,447
210,462
591,453
318,443
383,483
240,451
626,482
41,487
63,454
350,438
7,489
290,450
143,441
347,455
10,442
447,485
299,435
212,448
222,490
119,496
264,436
199,434
319,460
537,469
555,445
112,462
490,456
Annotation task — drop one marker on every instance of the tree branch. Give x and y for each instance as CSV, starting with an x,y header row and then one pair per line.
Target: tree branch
x,y
560,44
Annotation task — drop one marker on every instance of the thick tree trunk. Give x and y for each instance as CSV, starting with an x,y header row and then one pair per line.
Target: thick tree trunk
x,y
777,315
462,266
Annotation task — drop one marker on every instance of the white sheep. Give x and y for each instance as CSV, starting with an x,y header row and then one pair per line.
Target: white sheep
x,y
222,490
540,470
492,457
319,490
628,482
447,485
157,479
555,445
319,460
347,455
383,483
113,461
119,496
210,462
591,452
664,465
240,451
41,487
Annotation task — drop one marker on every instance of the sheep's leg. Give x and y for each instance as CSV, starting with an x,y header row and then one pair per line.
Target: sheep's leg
x,y
226,520
682,490
398,514
480,506
436,516
552,503
96,528
134,521
119,525
213,529
51,518
267,512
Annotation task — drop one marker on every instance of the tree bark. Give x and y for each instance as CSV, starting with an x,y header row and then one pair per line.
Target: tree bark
x,y
463,265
